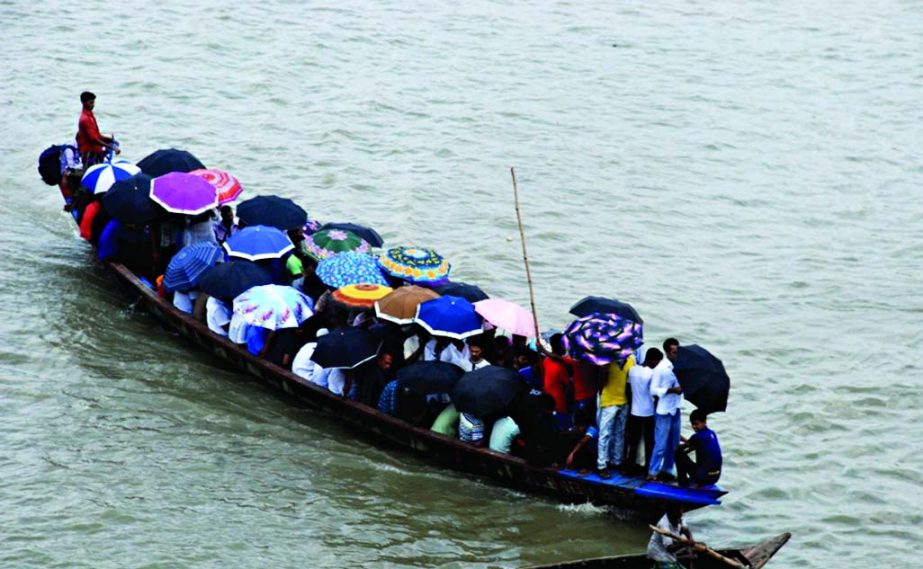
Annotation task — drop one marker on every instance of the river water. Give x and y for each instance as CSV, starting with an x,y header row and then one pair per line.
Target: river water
x,y
747,174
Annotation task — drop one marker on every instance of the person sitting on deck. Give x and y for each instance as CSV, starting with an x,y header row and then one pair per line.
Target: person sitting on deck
x,y
447,421
662,549
707,466
581,456
304,366
185,300
217,315
503,434
471,429
372,377
532,410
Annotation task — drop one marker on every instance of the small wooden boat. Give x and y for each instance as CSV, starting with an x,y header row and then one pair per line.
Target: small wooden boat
x,y
755,556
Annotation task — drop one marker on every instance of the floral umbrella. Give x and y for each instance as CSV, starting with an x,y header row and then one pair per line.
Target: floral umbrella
x,y
349,268
229,188
601,338
401,305
274,307
360,296
328,242
415,264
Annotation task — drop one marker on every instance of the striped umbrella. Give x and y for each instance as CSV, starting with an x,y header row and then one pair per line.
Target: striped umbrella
x,y
328,242
601,338
349,268
258,242
415,264
401,305
187,266
274,307
360,296
229,188
179,192
100,177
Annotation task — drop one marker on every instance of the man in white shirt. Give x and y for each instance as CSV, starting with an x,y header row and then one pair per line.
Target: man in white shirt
x,y
217,315
661,549
304,366
667,418
476,358
641,419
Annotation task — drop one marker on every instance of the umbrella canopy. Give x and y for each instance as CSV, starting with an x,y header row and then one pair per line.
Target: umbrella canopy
x,y
258,242
702,376
360,296
229,188
100,177
187,266
592,304
349,268
129,201
429,377
469,292
230,280
168,160
345,348
401,305
449,316
328,242
417,265
487,391
178,192
507,315
281,213
366,233
274,307
602,338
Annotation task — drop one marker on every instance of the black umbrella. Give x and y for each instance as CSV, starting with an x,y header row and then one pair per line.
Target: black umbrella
x,y
469,292
129,201
168,160
592,304
486,391
365,232
429,377
702,376
274,211
229,280
345,348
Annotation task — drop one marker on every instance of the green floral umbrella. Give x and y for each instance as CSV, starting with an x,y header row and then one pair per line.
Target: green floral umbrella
x,y
329,242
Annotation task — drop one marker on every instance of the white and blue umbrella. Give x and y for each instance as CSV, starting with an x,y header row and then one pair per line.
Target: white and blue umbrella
x,y
258,242
449,316
274,307
100,177
187,266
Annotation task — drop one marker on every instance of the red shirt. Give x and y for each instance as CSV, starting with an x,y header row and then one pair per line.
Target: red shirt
x,y
584,379
88,134
557,378
86,224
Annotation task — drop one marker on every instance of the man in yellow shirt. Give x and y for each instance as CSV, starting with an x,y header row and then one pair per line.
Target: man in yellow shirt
x,y
613,414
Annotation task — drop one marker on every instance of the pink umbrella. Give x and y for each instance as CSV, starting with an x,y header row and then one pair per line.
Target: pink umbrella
x,y
179,192
507,315
229,188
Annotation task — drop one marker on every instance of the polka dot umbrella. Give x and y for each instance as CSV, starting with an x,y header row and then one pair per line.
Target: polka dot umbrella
x,y
417,265
601,339
349,268
328,242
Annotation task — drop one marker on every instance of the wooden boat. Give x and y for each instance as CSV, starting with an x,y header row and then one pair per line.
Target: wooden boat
x,y
755,556
631,494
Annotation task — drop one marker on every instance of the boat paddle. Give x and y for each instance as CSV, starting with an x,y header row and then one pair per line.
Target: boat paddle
x,y
700,547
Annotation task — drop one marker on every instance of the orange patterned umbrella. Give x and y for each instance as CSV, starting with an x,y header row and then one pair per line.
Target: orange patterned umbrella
x,y
360,296
400,306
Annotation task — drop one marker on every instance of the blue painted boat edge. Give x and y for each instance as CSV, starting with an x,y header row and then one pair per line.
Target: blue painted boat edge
x,y
706,496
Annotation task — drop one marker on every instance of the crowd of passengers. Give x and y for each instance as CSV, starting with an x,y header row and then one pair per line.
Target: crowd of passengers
x,y
569,413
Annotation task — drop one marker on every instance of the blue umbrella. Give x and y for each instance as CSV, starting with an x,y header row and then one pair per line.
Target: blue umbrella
x,y
592,304
189,264
129,201
469,292
168,160
486,391
258,242
281,213
230,280
449,316
100,177
370,235
344,269
345,348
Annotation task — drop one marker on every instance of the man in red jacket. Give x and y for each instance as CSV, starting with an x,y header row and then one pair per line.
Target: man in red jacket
x,y
93,145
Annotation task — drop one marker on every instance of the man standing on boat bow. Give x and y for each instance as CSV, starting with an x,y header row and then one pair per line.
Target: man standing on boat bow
x,y
92,144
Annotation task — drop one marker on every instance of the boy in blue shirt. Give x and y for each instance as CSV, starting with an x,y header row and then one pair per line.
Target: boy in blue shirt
x,y
707,466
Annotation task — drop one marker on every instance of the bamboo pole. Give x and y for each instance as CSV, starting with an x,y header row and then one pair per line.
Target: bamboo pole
x,y
525,259
700,547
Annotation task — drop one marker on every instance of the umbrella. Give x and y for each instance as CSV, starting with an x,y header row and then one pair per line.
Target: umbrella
x,y
169,160
274,307
328,242
415,264
189,264
345,348
229,188
179,192
349,268
400,306
593,304
360,296
230,280
507,315
602,338
487,391
274,211
258,242
702,376
129,201
449,316
429,377
367,233
469,292
100,177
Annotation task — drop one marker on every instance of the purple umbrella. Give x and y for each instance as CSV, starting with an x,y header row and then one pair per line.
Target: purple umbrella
x,y
602,338
179,192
